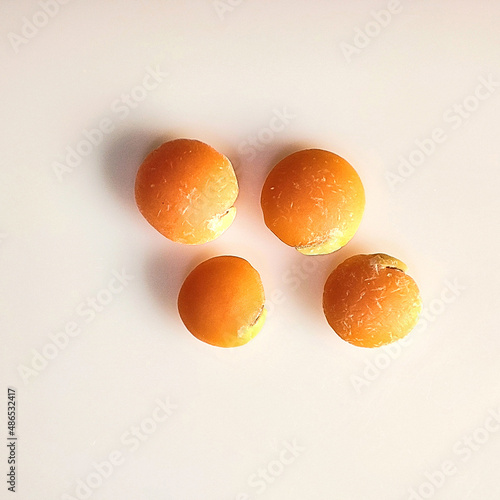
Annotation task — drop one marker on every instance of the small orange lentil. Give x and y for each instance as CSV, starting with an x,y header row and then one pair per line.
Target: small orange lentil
x,y
221,302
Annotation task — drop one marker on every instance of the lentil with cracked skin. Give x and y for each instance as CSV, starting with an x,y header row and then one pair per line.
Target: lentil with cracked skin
x,y
370,301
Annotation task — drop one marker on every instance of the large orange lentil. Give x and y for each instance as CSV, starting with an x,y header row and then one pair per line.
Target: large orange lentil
x,y
186,190
313,200
370,301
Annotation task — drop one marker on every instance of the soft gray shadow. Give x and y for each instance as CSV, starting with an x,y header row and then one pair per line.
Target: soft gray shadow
x,y
284,150
252,173
165,271
121,158
317,269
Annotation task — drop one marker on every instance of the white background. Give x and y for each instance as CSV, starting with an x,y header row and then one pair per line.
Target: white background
x,y
367,424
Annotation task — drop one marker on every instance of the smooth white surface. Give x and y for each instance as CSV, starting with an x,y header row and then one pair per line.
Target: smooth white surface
x,y
226,75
